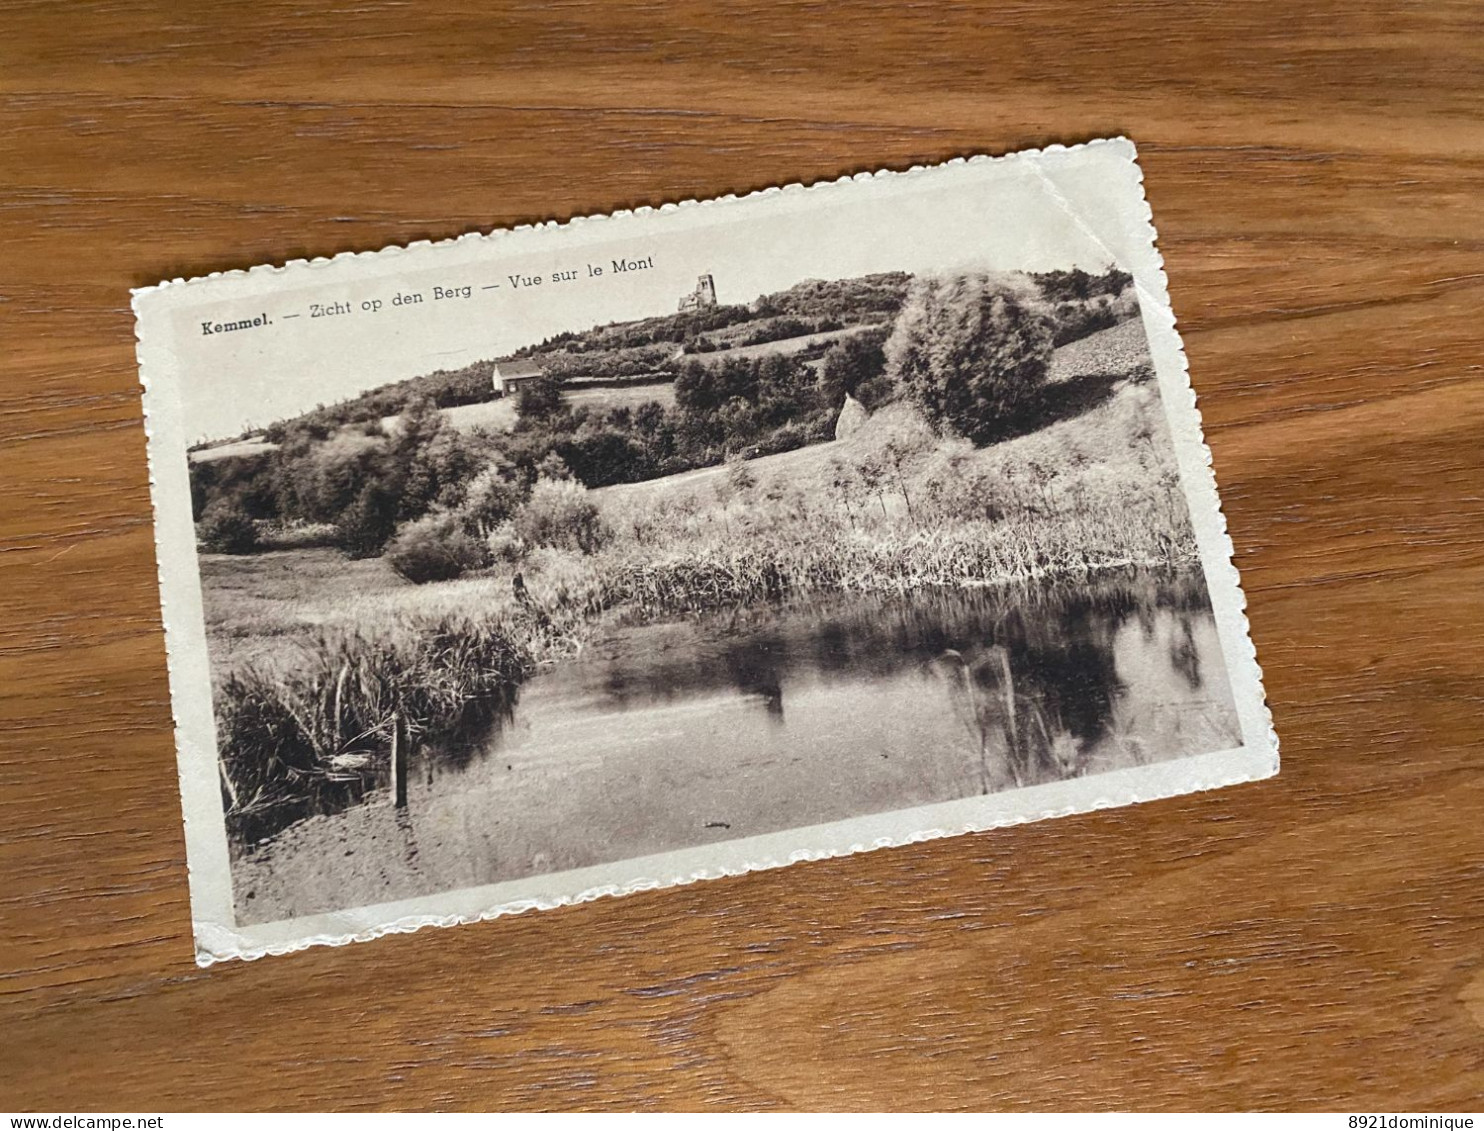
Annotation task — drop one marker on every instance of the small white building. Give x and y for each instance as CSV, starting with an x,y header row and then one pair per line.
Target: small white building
x,y
509,376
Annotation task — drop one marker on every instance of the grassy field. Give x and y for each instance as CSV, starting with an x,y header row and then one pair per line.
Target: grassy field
x,y
500,415
627,396
805,464
786,346
894,507
253,445
1117,350
259,607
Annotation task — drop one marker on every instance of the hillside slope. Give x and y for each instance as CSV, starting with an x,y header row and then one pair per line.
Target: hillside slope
x,y
1099,429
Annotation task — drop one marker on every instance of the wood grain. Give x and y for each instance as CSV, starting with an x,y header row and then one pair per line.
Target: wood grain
x,y
1317,176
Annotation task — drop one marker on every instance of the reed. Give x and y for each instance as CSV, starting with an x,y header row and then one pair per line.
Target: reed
x,y
898,508
739,570
317,736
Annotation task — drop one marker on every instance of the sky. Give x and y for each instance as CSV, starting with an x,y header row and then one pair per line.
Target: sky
x,y
1001,216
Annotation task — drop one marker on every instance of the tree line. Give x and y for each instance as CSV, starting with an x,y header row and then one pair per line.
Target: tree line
x,y
972,351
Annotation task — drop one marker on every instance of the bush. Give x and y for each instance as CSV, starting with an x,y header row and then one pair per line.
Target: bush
x,y
598,456
777,330
297,536
973,351
363,528
552,466
435,547
505,545
1077,285
1075,321
851,366
225,529
795,434
561,515
491,497
246,482
540,401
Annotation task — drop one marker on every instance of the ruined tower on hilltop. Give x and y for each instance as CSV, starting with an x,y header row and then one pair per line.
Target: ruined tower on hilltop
x,y
703,296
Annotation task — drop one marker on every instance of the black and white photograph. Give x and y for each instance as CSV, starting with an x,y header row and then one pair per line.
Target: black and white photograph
x,y
672,544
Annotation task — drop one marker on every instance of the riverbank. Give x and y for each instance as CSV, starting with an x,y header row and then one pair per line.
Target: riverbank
x,y
317,660
674,734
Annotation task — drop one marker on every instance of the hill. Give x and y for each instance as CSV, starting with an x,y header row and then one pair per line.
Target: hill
x,y
645,349
1100,373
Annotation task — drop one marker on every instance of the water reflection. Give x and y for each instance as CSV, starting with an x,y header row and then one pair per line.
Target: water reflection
x,y
667,736
1036,679
1037,684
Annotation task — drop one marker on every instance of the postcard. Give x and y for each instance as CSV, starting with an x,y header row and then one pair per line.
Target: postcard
x,y
582,558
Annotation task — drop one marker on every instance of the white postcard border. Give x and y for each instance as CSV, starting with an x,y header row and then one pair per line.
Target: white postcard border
x,y
216,934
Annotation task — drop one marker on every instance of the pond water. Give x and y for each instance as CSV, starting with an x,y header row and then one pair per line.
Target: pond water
x,y
666,736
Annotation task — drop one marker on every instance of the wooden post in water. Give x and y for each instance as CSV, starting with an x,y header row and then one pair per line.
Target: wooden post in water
x,y
399,764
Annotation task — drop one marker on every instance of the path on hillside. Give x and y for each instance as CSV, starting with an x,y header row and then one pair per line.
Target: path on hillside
x,y
799,459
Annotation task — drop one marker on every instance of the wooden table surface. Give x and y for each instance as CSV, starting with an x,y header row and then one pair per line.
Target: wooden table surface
x,y
1317,177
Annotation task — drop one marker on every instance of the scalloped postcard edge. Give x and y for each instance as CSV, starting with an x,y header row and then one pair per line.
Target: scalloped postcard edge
x,y
219,938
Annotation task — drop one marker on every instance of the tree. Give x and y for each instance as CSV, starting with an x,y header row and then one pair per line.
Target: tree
x,y
364,527
540,401
702,387
654,429
492,496
420,424
696,388
739,422
316,480
973,352
559,513
1078,284
416,456
781,390
851,366
435,547
225,529
649,418
552,466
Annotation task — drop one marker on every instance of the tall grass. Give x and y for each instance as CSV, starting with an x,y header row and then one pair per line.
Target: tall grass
x,y
319,736
900,509
706,577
